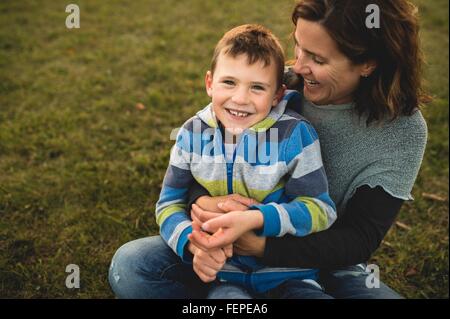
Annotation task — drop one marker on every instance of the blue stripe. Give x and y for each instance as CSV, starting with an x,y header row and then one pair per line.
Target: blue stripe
x,y
311,185
182,241
291,95
275,197
169,194
262,282
271,220
170,223
177,177
300,217
302,136
256,148
200,143
325,197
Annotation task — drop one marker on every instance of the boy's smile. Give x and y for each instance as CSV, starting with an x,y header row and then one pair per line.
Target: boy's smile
x,y
242,94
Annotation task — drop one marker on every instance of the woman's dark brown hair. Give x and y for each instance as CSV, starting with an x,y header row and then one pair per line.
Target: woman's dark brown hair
x,y
395,87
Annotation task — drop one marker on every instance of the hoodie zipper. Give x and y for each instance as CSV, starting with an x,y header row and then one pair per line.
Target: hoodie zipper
x,y
230,170
230,166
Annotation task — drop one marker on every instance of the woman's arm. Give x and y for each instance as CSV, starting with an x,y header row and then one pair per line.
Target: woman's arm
x,y
351,240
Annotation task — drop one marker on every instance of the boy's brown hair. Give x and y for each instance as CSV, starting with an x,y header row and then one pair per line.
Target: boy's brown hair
x,y
257,42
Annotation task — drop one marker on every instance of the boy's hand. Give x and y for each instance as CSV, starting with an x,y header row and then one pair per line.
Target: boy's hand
x,y
207,263
226,229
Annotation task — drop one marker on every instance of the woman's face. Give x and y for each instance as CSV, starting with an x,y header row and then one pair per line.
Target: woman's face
x,y
330,77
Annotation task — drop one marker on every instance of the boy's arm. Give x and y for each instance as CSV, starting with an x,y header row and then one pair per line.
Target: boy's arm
x,y
311,208
174,224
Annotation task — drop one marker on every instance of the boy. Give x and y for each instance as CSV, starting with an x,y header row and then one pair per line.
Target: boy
x,y
224,148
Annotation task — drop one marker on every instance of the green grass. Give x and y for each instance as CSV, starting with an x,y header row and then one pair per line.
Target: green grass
x,y
81,167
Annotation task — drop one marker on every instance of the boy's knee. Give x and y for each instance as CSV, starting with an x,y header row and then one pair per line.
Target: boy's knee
x,y
131,255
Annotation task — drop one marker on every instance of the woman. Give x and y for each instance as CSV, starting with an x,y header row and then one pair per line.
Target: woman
x,y
362,92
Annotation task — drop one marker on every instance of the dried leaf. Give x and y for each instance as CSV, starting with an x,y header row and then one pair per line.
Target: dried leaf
x,y
403,226
434,197
388,244
140,106
411,272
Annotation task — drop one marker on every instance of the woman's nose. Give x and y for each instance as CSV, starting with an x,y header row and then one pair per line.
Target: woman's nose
x,y
300,66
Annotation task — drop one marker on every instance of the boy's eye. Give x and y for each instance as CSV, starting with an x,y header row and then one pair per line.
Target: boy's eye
x,y
228,82
258,87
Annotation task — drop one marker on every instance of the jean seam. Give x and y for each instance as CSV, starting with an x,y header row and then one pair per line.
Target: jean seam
x,y
163,272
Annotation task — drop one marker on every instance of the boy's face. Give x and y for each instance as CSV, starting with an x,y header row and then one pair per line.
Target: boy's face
x,y
242,94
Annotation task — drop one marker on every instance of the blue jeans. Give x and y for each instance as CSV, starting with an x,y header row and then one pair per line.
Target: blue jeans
x,y
148,268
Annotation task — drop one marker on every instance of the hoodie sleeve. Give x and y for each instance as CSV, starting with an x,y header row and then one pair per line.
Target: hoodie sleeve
x,y
174,224
310,208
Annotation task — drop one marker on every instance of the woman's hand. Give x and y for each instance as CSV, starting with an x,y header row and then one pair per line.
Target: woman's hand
x,y
225,229
250,245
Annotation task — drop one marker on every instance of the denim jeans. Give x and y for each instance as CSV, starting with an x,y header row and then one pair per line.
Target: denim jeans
x,y
148,268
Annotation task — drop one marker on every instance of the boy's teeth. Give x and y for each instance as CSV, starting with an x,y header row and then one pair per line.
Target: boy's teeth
x,y
240,114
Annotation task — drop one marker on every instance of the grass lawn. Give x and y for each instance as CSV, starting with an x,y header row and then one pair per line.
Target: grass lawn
x,y
81,162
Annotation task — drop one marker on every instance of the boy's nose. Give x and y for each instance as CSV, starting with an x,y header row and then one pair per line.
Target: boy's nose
x,y
240,96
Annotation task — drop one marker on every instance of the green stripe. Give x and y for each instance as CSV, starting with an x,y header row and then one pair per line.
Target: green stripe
x,y
166,212
257,194
264,124
215,188
219,188
319,219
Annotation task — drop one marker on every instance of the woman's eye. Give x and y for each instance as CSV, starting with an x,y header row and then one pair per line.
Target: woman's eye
x,y
316,60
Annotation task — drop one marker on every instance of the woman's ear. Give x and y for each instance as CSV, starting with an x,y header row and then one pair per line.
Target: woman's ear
x,y
208,83
279,95
367,68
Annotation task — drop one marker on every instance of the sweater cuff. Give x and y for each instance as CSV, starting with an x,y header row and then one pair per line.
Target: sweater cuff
x,y
272,226
182,250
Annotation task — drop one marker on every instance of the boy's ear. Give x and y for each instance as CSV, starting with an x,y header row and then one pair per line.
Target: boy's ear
x,y
208,83
279,95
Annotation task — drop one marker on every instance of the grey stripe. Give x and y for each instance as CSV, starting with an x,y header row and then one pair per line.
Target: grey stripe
x,y
162,206
173,240
331,213
307,161
285,221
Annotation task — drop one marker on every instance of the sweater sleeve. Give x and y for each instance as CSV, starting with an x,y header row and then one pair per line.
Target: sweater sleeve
x,y
174,224
195,191
310,208
352,239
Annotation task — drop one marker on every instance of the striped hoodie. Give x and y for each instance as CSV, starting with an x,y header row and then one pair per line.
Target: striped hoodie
x,y
277,162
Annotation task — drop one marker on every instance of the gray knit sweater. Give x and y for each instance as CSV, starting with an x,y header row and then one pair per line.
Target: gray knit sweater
x,y
387,155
